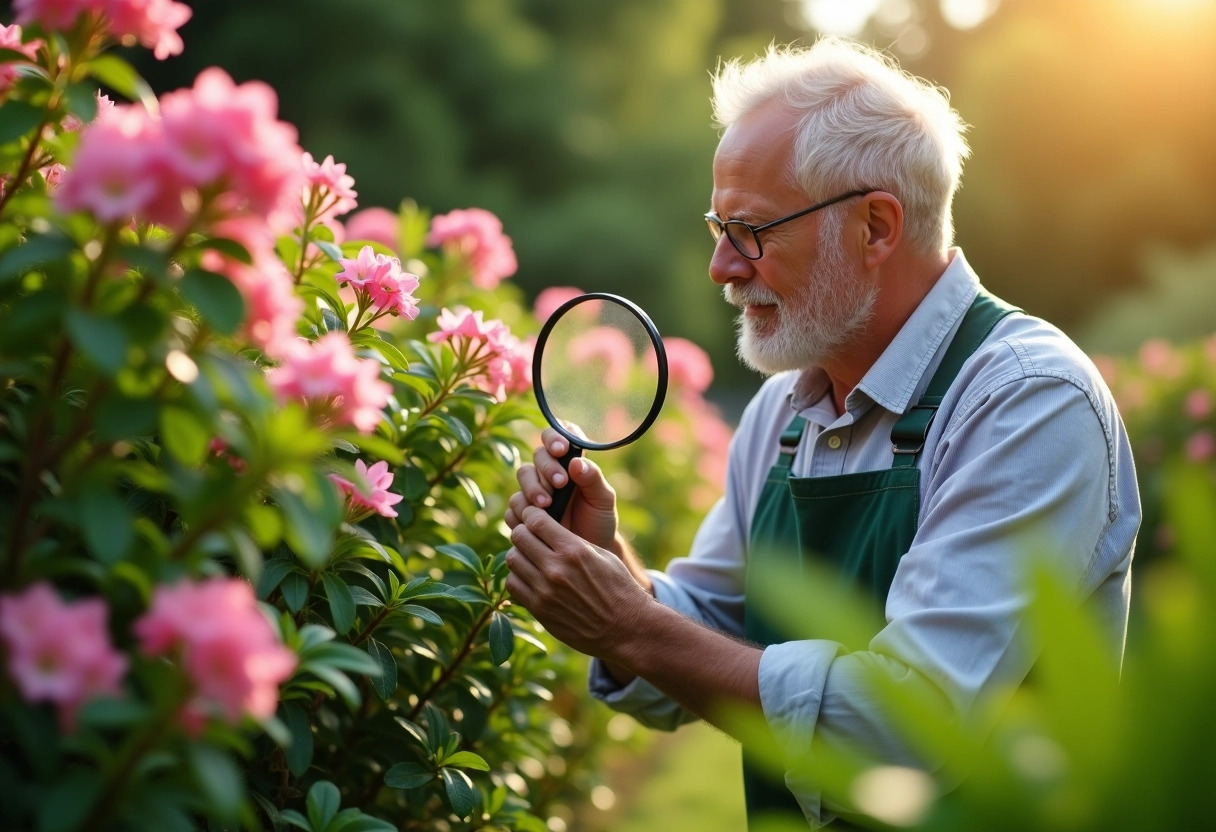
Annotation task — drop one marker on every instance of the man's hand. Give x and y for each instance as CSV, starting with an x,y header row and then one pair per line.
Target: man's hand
x,y
584,595
591,513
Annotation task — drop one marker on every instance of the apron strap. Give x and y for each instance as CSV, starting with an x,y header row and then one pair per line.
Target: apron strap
x,y
789,440
908,434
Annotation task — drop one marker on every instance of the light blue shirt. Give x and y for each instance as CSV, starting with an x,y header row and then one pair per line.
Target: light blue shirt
x,y
1027,445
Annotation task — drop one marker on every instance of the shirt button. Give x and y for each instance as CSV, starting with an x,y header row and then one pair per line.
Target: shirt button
x,y
834,442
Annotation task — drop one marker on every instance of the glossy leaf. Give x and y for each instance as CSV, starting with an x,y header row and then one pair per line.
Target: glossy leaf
x,y
502,638
459,790
322,804
408,776
386,683
467,759
216,298
341,604
299,752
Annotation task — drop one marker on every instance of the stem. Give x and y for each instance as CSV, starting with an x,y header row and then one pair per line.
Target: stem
x,y
371,626
26,165
463,654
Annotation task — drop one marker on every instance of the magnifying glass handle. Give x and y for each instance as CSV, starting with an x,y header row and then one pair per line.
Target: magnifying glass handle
x,y
561,497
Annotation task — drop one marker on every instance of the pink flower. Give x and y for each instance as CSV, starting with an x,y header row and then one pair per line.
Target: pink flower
x,y
116,174
59,652
220,134
1199,404
227,648
1200,446
51,14
334,189
364,267
375,496
154,23
548,301
463,323
475,235
10,38
688,366
329,376
509,370
379,225
380,283
1158,357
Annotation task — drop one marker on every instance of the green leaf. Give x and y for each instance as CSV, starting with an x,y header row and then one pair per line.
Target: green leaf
x,y
119,417
295,819
312,518
339,681
341,604
408,776
331,251
229,248
426,615
502,638
458,428
273,573
295,590
322,803
216,299
82,101
107,525
17,118
219,779
35,251
411,483
359,822
462,553
386,683
121,77
459,789
343,656
184,434
299,752
364,598
102,339
467,759
64,806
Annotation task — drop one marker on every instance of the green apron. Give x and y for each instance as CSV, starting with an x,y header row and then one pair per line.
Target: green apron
x,y
860,523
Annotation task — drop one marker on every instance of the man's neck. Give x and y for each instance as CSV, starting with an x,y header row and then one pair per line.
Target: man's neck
x,y
903,283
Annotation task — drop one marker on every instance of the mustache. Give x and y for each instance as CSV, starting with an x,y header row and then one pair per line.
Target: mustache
x,y
749,294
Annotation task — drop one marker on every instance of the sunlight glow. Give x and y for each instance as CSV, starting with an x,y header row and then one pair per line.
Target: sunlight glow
x,y
967,14
839,17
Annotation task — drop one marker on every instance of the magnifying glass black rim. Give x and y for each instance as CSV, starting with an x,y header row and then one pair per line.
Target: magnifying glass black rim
x,y
660,356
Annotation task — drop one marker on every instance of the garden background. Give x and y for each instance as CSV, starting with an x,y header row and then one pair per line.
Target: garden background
x,y
1090,199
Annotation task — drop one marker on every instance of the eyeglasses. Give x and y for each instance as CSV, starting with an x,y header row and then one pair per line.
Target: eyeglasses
x,y
746,238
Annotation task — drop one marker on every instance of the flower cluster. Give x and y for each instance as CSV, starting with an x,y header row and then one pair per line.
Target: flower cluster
x,y
338,386
372,493
226,647
380,285
216,150
59,652
499,362
329,191
475,236
154,23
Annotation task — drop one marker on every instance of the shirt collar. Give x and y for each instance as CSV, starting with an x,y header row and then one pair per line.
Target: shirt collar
x,y
900,371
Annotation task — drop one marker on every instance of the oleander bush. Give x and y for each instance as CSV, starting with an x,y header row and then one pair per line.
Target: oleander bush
x,y
253,465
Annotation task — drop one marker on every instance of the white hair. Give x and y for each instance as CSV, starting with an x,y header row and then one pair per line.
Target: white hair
x,y
862,123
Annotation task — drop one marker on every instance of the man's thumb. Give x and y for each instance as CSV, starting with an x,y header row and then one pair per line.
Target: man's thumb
x,y
590,480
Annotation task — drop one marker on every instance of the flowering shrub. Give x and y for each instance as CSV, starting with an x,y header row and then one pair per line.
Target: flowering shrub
x,y
1166,395
253,465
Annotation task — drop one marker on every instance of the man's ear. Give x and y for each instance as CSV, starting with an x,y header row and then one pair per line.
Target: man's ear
x,y
882,227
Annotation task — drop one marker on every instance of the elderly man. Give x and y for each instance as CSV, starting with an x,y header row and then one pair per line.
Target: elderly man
x,y
915,433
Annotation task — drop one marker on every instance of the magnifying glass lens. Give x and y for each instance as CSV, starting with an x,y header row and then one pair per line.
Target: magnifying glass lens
x,y
599,372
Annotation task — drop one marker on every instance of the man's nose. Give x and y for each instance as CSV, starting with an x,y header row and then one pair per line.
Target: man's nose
x,y
727,264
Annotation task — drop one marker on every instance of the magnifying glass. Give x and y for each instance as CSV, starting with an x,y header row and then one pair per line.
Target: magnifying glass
x,y
599,373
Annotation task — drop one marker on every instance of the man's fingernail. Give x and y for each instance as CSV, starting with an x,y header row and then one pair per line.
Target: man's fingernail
x,y
559,479
556,447
542,499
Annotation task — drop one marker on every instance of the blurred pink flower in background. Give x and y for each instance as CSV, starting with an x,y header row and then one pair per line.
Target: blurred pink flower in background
x,y
379,225
154,23
225,645
216,138
1200,446
510,370
104,105
59,652
548,301
1159,357
1198,404
476,235
328,374
374,496
10,38
608,346
335,189
688,366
